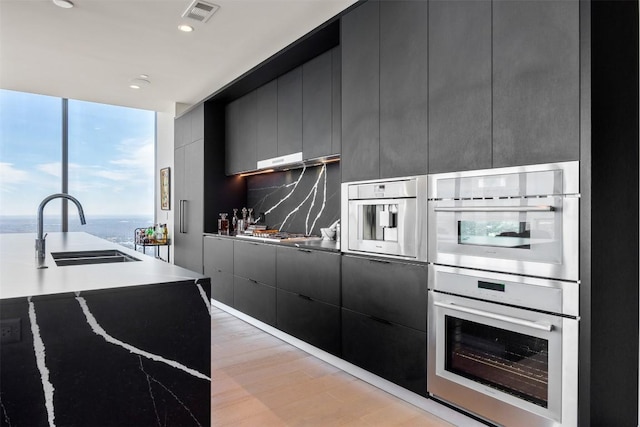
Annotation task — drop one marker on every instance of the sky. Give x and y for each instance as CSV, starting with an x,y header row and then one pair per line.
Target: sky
x,y
111,156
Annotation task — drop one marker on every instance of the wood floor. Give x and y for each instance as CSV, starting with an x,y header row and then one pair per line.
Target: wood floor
x,y
260,381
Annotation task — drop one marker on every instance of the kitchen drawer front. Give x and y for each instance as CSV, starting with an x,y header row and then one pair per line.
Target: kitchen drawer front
x,y
312,321
394,352
255,299
314,274
392,291
222,286
255,261
218,254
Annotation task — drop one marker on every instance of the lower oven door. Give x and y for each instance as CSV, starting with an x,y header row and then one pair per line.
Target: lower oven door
x,y
508,365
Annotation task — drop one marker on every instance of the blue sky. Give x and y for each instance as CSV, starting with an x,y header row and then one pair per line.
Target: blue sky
x,y
111,155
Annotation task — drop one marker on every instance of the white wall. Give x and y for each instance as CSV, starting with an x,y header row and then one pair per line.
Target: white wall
x,y
164,158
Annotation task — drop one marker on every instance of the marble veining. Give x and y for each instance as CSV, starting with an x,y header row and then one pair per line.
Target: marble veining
x,y
39,350
5,416
206,300
314,192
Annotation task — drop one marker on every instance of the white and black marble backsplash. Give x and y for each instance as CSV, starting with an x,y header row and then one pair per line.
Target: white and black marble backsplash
x,y
298,201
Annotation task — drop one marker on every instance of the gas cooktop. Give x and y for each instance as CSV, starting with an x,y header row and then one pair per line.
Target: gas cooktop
x,y
280,236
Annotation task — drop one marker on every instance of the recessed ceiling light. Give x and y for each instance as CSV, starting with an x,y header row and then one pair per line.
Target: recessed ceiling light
x,y
186,28
139,83
66,4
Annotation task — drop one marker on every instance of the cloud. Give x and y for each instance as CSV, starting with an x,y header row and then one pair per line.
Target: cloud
x,y
137,155
11,175
54,168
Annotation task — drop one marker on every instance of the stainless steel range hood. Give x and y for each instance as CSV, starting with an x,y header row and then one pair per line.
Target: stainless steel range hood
x,y
276,162
292,161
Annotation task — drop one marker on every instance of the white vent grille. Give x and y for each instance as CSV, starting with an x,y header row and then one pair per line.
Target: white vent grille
x,y
200,11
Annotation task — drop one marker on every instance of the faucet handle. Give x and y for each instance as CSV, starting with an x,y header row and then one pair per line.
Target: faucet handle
x,y
45,236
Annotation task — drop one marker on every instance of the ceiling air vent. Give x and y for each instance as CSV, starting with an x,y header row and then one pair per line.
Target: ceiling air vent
x,y
200,11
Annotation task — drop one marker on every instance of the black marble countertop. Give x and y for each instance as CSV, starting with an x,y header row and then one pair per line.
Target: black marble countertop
x,y
313,244
19,276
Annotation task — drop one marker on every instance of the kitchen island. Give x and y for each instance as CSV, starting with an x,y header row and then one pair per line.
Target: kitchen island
x,y
107,344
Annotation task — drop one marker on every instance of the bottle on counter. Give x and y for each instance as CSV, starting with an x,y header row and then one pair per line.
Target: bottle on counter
x,y
223,224
234,222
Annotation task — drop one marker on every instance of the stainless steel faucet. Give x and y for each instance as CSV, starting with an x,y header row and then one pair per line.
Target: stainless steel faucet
x,y
40,242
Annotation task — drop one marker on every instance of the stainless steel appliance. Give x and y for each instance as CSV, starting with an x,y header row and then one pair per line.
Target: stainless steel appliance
x,y
386,217
504,347
521,220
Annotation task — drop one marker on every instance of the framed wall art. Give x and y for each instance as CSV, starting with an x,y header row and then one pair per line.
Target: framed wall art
x,y
165,189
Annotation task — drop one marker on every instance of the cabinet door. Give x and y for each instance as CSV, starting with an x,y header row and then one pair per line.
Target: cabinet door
x,y
221,286
309,320
180,240
255,261
536,78
218,254
336,101
197,123
233,152
459,85
387,290
316,106
182,131
290,112
313,274
241,135
360,46
403,88
255,299
267,121
394,352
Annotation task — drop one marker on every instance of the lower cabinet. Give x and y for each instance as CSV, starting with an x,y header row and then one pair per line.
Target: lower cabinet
x,y
255,299
221,286
391,351
312,321
218,265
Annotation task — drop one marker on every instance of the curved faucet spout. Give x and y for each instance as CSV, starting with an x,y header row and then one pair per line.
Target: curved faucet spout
x,y
40,242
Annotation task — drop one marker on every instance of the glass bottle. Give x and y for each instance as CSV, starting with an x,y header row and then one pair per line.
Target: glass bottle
x,y
234,221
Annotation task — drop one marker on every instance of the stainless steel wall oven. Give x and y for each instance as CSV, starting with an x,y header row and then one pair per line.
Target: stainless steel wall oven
x,y
386,217
504,347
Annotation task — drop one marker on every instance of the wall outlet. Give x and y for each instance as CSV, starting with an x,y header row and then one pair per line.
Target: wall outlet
x,y
9,330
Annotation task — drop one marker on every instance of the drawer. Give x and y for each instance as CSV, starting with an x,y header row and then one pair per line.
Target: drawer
x,y
255,261
217,255
255,299
222,287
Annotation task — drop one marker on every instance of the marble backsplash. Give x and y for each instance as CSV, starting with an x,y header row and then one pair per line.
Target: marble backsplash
x,y
298,201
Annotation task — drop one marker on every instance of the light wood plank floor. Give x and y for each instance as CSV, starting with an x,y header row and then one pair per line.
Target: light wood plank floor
x,y
260,381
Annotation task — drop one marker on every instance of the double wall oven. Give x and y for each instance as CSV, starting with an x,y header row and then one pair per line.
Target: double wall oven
x,y
504,293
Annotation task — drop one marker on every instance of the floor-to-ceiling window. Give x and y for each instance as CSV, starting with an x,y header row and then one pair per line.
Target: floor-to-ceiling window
x,y
101,154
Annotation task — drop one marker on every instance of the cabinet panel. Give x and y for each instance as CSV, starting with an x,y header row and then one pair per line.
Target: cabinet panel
x,y
255,299
311,273
360,46
255,261
218,254
182,131
394,352
392,291
233,155
403,88
290,112
267,121
221,286
197,123
316,106
536,77
241,134
311,321
336,101
459,85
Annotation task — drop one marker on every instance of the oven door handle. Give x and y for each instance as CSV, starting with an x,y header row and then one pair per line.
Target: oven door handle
x,y
514,320
495,209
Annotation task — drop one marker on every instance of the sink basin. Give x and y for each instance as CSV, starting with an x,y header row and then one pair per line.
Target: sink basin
x,y
91,257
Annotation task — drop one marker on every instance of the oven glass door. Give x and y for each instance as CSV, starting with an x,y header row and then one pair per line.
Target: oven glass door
x,y
525,236
507,353
384,226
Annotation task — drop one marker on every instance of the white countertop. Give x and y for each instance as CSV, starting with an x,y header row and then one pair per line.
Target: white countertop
x,y
19,276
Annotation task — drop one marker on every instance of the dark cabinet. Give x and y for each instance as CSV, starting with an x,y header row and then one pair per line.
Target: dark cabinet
x,y
459,85
218,265
255,299
317,97
384,90
313,274
182,131
403,88
241,134
360,44
267,121
536,82
394,352
387,290
255,261
197,122
310,320
290,112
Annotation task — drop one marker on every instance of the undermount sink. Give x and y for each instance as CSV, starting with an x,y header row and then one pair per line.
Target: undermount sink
x,y
91,257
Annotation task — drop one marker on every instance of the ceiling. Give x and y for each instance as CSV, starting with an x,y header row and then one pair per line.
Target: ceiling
x,y
92,51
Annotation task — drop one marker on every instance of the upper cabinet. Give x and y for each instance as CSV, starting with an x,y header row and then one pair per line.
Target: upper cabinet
x,y
503,83
384,90
267,121
241,134
290,112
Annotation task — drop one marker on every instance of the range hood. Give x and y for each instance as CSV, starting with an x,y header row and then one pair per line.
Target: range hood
x,y
290,161
277,162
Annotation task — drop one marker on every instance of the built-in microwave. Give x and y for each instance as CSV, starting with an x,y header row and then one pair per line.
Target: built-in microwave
x,y
521,220
385,217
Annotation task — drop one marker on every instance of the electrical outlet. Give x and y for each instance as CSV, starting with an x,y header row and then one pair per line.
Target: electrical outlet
x,y
9,330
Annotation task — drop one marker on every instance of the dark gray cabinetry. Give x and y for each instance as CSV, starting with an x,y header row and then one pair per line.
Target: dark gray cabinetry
x,y
241,134
316,106
360,46
218,265
267,121
394,352
459,85
384,90
403,88
255,261
384,319
255,299
290,112
182,131
197,122
536,78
